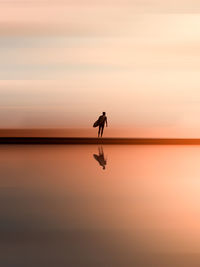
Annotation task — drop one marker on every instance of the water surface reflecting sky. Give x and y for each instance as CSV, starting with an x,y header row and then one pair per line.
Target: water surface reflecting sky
x,y
59,207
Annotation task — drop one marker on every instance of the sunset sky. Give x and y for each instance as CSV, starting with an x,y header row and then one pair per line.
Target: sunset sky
x,y
64,62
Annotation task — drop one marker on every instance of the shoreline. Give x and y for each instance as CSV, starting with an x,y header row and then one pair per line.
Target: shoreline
x,y
98,141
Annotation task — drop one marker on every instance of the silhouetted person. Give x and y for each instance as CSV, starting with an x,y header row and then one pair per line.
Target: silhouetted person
x,y
102,120
100,158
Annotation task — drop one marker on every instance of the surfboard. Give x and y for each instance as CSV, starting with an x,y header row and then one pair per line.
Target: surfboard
x,y
96,124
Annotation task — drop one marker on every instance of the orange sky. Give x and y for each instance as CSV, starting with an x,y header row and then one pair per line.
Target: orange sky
x,y
64,62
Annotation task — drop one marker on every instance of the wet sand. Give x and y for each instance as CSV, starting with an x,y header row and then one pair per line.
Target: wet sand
x,y
60,207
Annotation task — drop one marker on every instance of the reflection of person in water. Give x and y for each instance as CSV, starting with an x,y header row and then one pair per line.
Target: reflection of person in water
x,y
100,158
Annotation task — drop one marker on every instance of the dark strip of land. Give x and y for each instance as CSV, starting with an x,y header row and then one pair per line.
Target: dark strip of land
x,y
97,141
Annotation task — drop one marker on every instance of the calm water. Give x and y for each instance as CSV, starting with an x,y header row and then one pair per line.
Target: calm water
x,y
100,206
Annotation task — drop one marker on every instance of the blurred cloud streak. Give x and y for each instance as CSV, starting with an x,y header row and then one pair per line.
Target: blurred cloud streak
x,y
70,60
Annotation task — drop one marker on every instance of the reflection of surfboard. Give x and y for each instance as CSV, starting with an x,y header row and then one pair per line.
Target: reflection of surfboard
x,y
96,123
96,157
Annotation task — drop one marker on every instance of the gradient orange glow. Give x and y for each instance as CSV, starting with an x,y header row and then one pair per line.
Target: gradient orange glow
x,y
64,62
148,197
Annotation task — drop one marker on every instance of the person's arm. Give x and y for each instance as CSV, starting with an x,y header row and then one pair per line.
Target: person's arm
x,y
106,122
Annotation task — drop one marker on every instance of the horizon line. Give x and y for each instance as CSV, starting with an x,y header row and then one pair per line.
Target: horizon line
x,y
98,141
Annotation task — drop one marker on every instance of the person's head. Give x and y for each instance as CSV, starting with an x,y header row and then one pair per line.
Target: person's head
x,y
104,113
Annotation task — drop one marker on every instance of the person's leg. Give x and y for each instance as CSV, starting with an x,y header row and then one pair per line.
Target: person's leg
x,y
99,131
102,130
